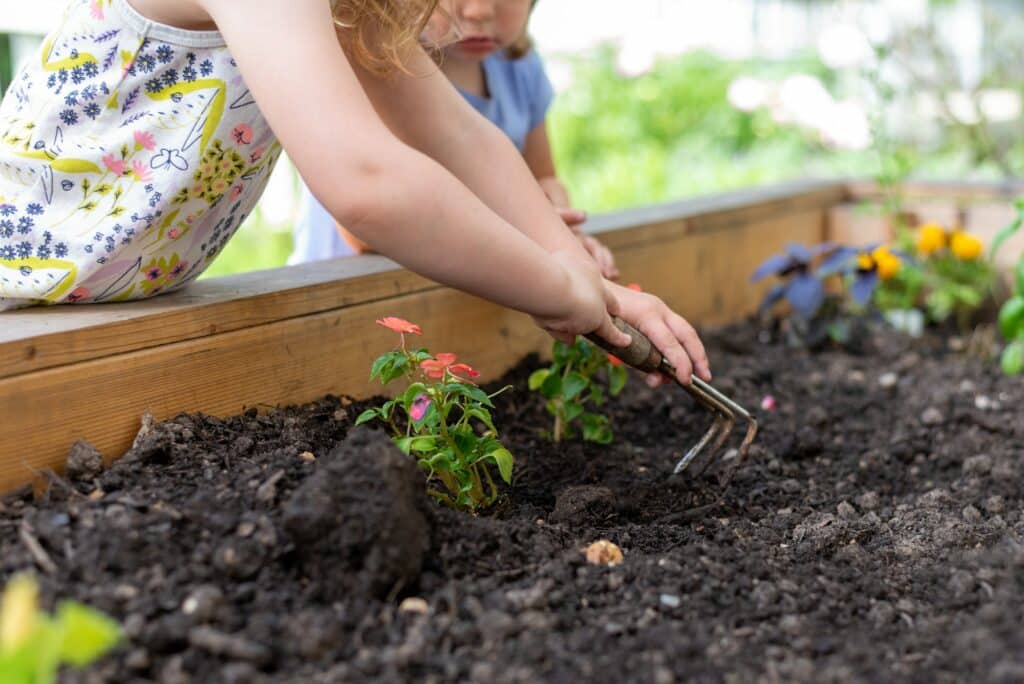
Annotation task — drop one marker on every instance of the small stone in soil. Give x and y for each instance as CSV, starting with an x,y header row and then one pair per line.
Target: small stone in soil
x,y
603,552
932,416
202,603
888,380
414,604
84,462
669,600
307,456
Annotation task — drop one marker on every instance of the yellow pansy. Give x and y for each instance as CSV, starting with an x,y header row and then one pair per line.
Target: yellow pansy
x,y
18,612
865,262
887,264
931,237
965,246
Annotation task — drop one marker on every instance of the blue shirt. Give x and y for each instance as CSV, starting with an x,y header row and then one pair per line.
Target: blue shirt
x,y
520,95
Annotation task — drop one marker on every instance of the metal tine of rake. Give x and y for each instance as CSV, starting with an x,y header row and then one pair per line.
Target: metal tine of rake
x,y
644,356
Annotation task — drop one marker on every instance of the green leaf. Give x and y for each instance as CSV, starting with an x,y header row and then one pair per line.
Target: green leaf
x,y
394,370
596,428
1013,358
572,385
88,634
404,443
503,459
537,379
1019,272
552,386
441,461
379,363
483,416
617,377
469,391
573,411
366,416
423,444
1011,318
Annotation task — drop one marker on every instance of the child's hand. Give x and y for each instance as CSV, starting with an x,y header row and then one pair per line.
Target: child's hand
x,y
590,304
668,331
601,254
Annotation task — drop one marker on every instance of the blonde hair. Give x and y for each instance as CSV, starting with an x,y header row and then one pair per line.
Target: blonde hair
x,y
524,44
377,32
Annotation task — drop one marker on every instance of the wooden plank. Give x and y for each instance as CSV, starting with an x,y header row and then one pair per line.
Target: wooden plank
x,y
39,338
304,357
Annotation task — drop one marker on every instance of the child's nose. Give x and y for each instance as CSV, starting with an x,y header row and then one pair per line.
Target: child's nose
x,y
477,10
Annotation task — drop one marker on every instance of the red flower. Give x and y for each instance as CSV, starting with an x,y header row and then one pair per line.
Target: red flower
x,y
460,369
435,367
399,325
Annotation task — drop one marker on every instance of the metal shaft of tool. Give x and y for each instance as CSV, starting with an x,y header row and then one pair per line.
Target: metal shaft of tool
x,y
644,356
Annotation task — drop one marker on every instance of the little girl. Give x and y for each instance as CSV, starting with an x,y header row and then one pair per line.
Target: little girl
x,y
495,69
142,133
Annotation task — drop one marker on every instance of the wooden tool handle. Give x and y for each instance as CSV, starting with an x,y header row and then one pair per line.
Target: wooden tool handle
x,y
641,352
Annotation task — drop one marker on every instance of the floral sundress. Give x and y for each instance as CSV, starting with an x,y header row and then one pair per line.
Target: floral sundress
x,y
130,152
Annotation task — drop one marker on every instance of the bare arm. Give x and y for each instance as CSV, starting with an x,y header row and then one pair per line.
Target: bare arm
x,y
425,110
398,200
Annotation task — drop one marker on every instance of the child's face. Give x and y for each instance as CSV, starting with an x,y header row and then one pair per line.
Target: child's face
x,y
484,27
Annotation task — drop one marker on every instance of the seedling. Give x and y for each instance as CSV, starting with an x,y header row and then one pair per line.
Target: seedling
x,y
443,420
33,645
573,382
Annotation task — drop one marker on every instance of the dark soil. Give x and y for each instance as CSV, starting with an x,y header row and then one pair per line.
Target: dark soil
x,y
874,535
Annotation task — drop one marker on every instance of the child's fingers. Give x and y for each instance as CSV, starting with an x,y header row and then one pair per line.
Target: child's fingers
x,y
572,217
666,340
686,334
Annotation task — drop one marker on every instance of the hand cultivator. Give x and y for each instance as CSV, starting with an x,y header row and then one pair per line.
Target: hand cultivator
x,y
644,356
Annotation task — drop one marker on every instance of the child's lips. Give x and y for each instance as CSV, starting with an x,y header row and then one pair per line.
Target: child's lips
x,y
478,44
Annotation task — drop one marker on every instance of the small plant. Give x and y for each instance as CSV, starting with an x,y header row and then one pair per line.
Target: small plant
x,y
442,419
572,382
33,645
1011,315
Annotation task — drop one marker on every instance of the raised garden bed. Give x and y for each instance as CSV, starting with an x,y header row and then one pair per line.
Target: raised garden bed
x,y
874,535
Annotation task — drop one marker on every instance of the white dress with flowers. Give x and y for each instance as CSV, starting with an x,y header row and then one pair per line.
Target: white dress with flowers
x,y
130,152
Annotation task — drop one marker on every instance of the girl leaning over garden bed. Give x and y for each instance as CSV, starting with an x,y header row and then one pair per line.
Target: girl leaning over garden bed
x,y
133,149
495,68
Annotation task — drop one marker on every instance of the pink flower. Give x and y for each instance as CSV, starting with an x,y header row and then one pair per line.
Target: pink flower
x,y
256,154
769,403
435,367
154,273
242,134
144,140
236,192
459,370
141,172
635,287
399,325
419,407
115,165
77,295
96,10
174,233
